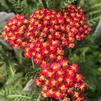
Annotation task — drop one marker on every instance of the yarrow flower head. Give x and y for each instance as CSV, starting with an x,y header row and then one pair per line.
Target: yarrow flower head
x,y
58,80
77,29
44,32
14,30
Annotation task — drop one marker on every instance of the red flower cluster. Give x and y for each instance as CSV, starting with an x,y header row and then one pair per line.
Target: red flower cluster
x,y
14,30
76,23
60,79
45,31
43,37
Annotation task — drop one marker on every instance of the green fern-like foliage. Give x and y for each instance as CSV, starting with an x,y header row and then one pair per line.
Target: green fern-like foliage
x,y
92,9
94,12
18,6
25,7
3,73
14,94
59,4
3,6
12,88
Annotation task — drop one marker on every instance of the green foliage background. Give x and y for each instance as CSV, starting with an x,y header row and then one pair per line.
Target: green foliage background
x,y
15,71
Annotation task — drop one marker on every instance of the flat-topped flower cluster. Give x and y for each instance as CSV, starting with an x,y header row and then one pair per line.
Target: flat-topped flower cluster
x,y
60,79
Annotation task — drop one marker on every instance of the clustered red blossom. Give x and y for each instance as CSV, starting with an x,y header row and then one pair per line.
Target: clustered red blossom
x,y
76,20
14,30
60,79
43,37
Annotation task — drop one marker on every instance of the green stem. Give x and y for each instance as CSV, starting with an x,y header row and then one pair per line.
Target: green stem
x,y
32,63
44,3
38,99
